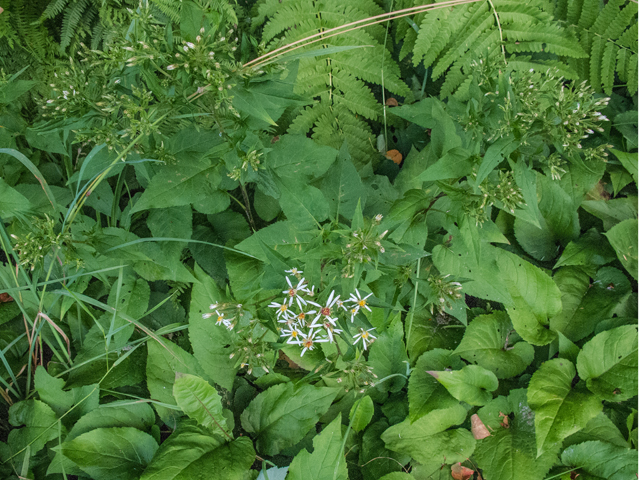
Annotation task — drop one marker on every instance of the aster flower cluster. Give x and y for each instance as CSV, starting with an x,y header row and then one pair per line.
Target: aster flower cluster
x,y
444,292
306,323
363,245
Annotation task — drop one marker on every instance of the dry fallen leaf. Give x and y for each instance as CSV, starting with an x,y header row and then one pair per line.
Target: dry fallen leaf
x,y
4,297
391,102
505,420
461,473
478,428
395,156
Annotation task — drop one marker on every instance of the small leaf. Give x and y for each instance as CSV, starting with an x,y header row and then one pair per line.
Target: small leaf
x,y
459,472
471,384
609,363
200,401
478,429
560,408
361,413
624,239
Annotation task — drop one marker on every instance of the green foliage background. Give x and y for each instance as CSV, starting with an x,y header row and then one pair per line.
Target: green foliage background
x,y
166,179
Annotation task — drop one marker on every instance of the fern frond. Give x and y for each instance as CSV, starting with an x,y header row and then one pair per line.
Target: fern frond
x,y
70,21
605,32
451,41
170,8
54,9
632,74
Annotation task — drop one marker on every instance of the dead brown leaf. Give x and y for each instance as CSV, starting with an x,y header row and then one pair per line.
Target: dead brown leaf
x,y
391,102
461,473
478,429
395,156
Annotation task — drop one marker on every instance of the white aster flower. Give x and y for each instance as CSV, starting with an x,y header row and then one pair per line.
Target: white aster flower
x,y
359,300
365,336
309,341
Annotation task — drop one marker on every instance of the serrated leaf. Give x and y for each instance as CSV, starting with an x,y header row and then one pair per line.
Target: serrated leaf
x,y
111,453
388,357
12,202
39,422
327,460
429,439
114,414
210,341
629,160
589,249
603,460
485,343
471,384
304,205
598,428
609,363
425,392
456,163
280,417
510,453
200,401
560,408
624,239
342,186
191,452
361,413
299,157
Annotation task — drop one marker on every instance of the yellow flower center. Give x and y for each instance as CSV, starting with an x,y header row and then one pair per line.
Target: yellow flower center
x,y
308,343
220,319
362,303
294,333
365,334
283,308
292,292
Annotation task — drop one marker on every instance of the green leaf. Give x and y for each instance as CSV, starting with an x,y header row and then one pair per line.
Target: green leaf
x,y
300,158
115,414
111,453
486,343
429,439
558,210
586,304
535,297
589,249
628,160
163,362
539,242
456,163
388,357
609,363
361,413
280,416
12,202
209,341
510,453
40,426
342,186
375,459
397,476
304,205
327,460
560,408
613,211
200,401
425,392
180,185
191,452
624,239
50,391
603,460
471,384
426,334
598,428
494,155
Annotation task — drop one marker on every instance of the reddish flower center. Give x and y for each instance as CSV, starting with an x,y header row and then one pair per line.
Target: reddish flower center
x,y
326,311
292,292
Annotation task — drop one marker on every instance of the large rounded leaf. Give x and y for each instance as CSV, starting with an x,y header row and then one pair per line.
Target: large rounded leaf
x,y
486,342
560,409
472,384
603,460
609,363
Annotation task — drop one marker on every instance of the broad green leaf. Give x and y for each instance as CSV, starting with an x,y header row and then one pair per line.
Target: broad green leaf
x,y
388,357
486,342
299,157
281,416
456,163
426,334
50,390
494,155
603,460
191,452
598,300
628,160
209,341
327,460
471,384
624,239
115,414
609,363
598,428
265,205
425,392
180,185
590,249
374,457
200,401
613,211
111,453
12,202
535,296
560,408
525,178
567,349
556,206
429,438
40,426
397,476
163,362
539,242
510,453
342,186
284,237
412,166
304,205
361,413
